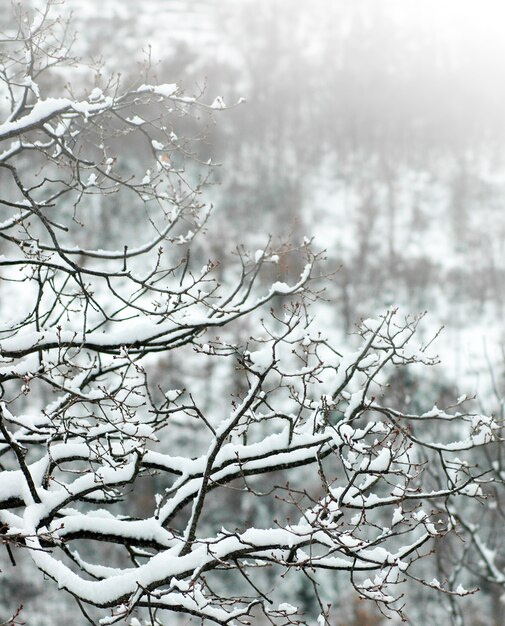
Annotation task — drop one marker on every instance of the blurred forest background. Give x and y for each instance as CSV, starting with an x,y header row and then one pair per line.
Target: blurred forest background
x,y
375,127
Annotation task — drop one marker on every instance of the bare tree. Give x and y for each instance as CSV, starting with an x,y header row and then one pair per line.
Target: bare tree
x,y
86,422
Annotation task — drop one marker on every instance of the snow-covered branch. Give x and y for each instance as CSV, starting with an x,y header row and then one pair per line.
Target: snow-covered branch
x,y
98,328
